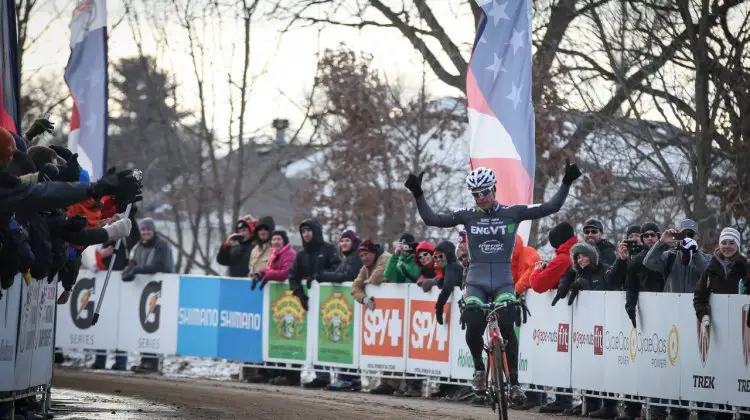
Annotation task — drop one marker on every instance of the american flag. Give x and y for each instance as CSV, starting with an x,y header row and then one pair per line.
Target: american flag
x,y
498,87
86,75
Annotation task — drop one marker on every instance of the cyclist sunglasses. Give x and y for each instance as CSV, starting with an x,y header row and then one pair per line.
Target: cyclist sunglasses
x,y
482,193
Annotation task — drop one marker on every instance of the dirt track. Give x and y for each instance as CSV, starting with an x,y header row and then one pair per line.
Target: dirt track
x,y
205,399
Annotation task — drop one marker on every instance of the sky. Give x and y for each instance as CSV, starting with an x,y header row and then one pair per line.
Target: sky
x,y
283,65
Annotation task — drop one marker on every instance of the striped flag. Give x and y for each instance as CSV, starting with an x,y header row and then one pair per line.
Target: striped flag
x,y
86,76
10,84
498,87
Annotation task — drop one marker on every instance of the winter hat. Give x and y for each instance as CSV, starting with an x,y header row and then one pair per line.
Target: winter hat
x,y
245,221
84,178
561,234
586,249
7,145
650,226
267,223
349,234
730,234
42,155
283,235
368,246
147,223
593,223
633,229
687,224
447,248
407,238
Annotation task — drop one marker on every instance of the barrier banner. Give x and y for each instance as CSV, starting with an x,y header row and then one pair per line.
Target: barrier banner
x,y
27,332
10,305
621,375
587,353
384,329
428,350
74,329
41,365
657,351
737,355
284,325
337,338
549,340
148,313
198,317
462,364
240,321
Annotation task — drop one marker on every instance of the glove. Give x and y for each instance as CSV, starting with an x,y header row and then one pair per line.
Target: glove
x,y
63,152
76,224
439,312
71,171
40,126
263,283
128,273
525,312
254,280
631,314
572,172
47,173
369,302
574,289
311,280
428,284
558,296
122,184
414,184
303,299
24,162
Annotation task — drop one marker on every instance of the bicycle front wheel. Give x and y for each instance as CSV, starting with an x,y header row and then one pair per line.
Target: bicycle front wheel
x,y
500,380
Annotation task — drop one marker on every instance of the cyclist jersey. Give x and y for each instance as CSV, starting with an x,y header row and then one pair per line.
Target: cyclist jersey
x,y
491,237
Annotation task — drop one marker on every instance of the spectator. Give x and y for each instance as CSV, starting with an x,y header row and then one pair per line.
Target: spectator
x,y
262,244
150,256
591,274
522,264
350,264
639,278
235,251
316,256
681,262
402,267
547,277
593,233
725,272
281,260
425,261
633,234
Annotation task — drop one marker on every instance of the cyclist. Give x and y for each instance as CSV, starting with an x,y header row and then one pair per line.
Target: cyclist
x,y
491,231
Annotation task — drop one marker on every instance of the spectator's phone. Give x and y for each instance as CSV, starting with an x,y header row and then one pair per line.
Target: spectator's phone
x,y
634,247
406,248
678,236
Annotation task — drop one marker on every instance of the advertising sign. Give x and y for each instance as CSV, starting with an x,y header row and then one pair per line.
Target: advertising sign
x,y
148,314
383,329
428,348
337,337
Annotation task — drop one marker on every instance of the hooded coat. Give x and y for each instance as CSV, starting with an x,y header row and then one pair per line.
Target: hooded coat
x,y
316,256
522,265
594,276
550,277
236,257
262,250
719,279
452,270
150,257
683,276
371,275
347,270
607,252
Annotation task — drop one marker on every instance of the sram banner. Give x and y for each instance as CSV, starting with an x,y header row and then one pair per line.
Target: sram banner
x,y
74,329
9,308
428,351
384,329
148,314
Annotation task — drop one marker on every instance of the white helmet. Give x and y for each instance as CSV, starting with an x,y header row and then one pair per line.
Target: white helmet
x,y
481,178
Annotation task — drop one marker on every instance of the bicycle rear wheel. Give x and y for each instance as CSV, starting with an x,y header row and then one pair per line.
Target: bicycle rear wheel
x,y
499,378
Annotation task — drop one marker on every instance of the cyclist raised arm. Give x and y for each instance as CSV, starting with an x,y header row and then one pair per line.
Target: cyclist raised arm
x,y
491,235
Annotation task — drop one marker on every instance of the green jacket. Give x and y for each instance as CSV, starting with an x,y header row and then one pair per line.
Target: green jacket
x,y
407,272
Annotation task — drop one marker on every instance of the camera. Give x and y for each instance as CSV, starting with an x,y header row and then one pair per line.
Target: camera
x,y
634,247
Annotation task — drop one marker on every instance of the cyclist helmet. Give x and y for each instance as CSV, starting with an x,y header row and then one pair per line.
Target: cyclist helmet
x,y
481,178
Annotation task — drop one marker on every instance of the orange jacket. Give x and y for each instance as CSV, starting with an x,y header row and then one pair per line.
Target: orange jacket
x,y
522,264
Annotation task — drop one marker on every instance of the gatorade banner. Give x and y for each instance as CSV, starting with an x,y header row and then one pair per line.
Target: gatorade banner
x,y
148,314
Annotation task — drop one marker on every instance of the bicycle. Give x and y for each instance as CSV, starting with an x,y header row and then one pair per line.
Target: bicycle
x,y
498,374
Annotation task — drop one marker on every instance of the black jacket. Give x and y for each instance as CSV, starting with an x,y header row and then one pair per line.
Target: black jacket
x,y
453,272
347,270
594,276
236,257
638,279
316,256
606,251
716,280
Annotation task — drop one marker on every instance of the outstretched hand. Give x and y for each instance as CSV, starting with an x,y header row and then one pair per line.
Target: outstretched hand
x,y
414,184
572,172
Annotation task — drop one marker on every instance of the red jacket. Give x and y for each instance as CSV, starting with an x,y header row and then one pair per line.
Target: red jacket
x,y
279,263
549,278
522,264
